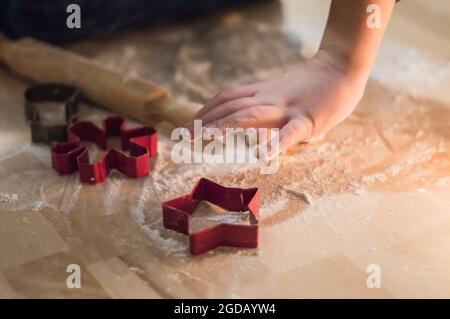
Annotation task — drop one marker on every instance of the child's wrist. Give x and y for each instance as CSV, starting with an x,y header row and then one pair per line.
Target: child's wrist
x,y
344,62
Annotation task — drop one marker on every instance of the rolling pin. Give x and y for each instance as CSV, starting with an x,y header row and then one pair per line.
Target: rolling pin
x,y
138,98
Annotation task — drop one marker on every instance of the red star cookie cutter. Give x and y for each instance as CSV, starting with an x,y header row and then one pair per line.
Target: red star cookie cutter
x,y
70,156
177,216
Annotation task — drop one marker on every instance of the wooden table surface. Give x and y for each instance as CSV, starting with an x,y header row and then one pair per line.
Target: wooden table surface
x,y
374,191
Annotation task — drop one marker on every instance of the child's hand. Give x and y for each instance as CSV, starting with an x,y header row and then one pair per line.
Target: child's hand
x,y
320,93
303,103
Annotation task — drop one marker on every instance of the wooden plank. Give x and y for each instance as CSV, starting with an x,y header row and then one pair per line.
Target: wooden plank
x,y
121,281
26,236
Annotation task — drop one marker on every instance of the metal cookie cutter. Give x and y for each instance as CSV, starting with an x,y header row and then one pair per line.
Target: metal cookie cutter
x,y
71,156
42,95
177,216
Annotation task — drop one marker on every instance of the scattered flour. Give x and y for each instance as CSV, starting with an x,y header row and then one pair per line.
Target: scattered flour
x,y
112,187
229,218
153,230
273,207
8,198
414,73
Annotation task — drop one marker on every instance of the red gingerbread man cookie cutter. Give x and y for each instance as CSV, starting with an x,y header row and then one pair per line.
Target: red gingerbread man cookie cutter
x,y
177,216
71,156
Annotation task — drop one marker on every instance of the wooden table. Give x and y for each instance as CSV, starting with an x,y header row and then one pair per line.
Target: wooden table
x,y
374,191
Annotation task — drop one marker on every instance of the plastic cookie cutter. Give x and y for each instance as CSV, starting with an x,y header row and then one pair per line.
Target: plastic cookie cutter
x,y
50,108
177,216
72,155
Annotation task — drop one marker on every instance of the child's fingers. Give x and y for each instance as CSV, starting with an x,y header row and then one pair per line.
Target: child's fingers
x,y
228,108
296,130
227,95
254,116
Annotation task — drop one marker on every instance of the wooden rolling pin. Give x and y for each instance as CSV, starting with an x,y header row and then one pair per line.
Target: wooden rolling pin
x,y
138,98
